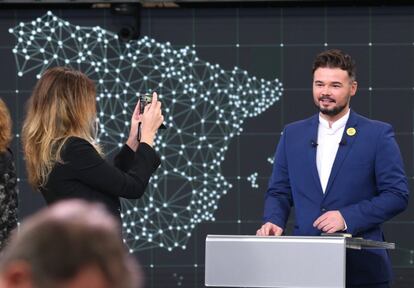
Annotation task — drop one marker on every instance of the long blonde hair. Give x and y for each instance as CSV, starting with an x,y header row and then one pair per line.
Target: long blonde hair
x,y
5,127
63,104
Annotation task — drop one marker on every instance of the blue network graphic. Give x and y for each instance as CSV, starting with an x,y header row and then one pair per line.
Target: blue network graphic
x,y
204,108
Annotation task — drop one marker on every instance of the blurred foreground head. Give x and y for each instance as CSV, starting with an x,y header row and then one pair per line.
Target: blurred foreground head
x,y
70,244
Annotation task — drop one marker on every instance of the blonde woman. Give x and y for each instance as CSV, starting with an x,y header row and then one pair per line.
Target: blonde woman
x,y
8,179
62,158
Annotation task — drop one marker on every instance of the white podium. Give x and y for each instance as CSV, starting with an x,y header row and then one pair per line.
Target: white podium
x,y
284,261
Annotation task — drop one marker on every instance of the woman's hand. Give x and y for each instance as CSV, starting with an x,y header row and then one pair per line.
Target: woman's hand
x,y
132,141
150,121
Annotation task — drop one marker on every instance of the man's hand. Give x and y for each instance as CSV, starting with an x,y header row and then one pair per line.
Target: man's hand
x,y
269,229
330,222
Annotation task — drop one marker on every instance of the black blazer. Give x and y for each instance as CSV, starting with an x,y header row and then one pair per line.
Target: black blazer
x,y
86,175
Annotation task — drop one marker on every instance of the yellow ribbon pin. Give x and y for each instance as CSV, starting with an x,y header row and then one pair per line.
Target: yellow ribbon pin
x,y
351,131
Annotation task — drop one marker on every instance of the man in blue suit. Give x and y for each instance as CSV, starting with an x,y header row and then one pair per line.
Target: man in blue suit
x,y
342,172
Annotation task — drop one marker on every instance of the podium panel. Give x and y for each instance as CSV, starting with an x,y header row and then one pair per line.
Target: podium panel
x,y
281,261
252,261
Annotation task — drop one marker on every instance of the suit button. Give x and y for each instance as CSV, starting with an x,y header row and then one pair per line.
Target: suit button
x,y
323,209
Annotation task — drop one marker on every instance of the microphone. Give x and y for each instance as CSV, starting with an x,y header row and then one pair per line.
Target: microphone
x,y
343,142
313,143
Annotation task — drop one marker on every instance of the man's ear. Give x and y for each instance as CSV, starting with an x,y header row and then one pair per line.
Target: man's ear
x,y
354,87
17,274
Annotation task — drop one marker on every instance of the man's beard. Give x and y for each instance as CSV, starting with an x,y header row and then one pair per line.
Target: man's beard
x,y
330,112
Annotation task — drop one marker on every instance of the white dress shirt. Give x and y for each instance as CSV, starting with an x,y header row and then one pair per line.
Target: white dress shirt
x,y
328,143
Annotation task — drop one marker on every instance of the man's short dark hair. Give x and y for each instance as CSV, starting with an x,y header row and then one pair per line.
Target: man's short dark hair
x,y
335,58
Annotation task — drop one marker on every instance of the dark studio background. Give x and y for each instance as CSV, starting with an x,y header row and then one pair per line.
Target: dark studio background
x,y
269,41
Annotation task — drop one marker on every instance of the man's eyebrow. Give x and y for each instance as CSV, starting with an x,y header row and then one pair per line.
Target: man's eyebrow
x,y
333,82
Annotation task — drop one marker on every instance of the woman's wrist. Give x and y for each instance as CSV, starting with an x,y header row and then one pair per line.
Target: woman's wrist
x,y
148,140
132,143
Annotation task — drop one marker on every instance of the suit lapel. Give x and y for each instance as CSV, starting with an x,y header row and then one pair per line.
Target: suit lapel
x,y
343,149
313,138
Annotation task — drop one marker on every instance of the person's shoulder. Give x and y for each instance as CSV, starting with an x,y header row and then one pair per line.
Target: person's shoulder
x,y
74,141
76,145
371,123
304,123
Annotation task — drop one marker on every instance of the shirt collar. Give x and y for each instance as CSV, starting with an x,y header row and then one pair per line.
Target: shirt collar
x,y
338,124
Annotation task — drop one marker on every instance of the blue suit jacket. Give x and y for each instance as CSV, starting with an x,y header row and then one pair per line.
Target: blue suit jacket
x,y
367,185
